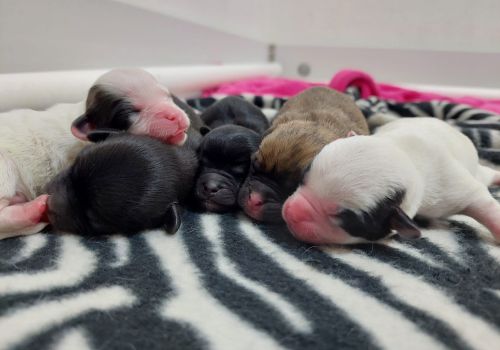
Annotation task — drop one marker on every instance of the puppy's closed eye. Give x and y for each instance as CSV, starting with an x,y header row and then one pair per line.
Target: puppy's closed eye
x,y
239,169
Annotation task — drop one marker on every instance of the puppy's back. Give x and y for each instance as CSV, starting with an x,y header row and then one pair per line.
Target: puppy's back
x,y
128,182
305,124
327,108
39,142
429,139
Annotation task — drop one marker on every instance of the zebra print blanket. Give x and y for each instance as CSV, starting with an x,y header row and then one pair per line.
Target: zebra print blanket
x,y
223,282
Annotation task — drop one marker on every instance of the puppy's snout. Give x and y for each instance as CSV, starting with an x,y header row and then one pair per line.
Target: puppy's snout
x,y
211,187
297,209
255,201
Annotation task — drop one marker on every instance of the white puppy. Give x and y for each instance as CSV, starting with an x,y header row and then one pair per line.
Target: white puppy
x,y
36,145
365,187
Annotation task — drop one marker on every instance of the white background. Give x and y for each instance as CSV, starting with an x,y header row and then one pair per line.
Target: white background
x,y
448,42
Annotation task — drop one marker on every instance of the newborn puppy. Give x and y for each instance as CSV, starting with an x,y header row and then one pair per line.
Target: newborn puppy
x,y
362,188
225,151
224,162
305,124
125,184
235,110
36,145
133,100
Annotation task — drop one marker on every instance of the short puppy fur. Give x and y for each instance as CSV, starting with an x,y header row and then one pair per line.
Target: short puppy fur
x,y
36,145
305,124
236,111
364,188
132,100
225,151
124,184
224,163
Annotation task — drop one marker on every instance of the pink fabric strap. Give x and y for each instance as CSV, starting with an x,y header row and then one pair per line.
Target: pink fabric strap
x,y
283,87
347,77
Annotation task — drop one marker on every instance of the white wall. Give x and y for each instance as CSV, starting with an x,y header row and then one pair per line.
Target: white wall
x,y
76,34
443,25
446,42
466,69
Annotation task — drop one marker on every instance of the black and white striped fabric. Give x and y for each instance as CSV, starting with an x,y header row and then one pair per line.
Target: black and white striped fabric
x,y
223,282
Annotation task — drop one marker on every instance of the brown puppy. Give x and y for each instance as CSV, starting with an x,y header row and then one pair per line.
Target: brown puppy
x,y
305,124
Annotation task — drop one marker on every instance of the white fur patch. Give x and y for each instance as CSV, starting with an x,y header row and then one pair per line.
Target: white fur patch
x,y
435,164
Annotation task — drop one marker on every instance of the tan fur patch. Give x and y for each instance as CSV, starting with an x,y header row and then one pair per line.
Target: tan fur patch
x,y
304,125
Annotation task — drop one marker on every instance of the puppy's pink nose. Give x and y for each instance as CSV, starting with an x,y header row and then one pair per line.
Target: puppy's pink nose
x,y
253,206
297,209
255,200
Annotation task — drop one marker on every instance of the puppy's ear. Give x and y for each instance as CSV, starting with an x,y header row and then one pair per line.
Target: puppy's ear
x,y
352,133
403,225
101,134
204,130
172,219
81,127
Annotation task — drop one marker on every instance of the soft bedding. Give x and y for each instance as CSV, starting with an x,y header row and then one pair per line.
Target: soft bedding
x,y
223,282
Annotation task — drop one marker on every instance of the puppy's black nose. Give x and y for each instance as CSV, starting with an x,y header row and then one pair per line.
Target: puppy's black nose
x,y
211,187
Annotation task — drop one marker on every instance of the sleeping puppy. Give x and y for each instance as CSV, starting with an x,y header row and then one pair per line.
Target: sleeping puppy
x,y
225,151
235,110
224,162
133,100
363,188
305,124
125,184
36,145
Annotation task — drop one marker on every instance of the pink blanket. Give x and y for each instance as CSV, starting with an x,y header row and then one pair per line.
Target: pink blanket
x,y
281,87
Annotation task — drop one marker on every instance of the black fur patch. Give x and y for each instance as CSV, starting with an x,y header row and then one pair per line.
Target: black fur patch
x,y
106,109
375,224
235,110
125,184
225,160
273,188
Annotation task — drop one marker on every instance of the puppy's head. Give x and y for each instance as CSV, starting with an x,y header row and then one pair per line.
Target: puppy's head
x,y
225,159
354,191
235,110
122,185
132,100
278,166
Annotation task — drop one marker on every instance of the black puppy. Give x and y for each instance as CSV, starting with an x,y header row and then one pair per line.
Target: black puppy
x,y
225,151
234,110
224,162
125,184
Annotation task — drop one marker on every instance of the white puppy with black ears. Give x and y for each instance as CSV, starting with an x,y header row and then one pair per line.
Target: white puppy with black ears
x,y
363,188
